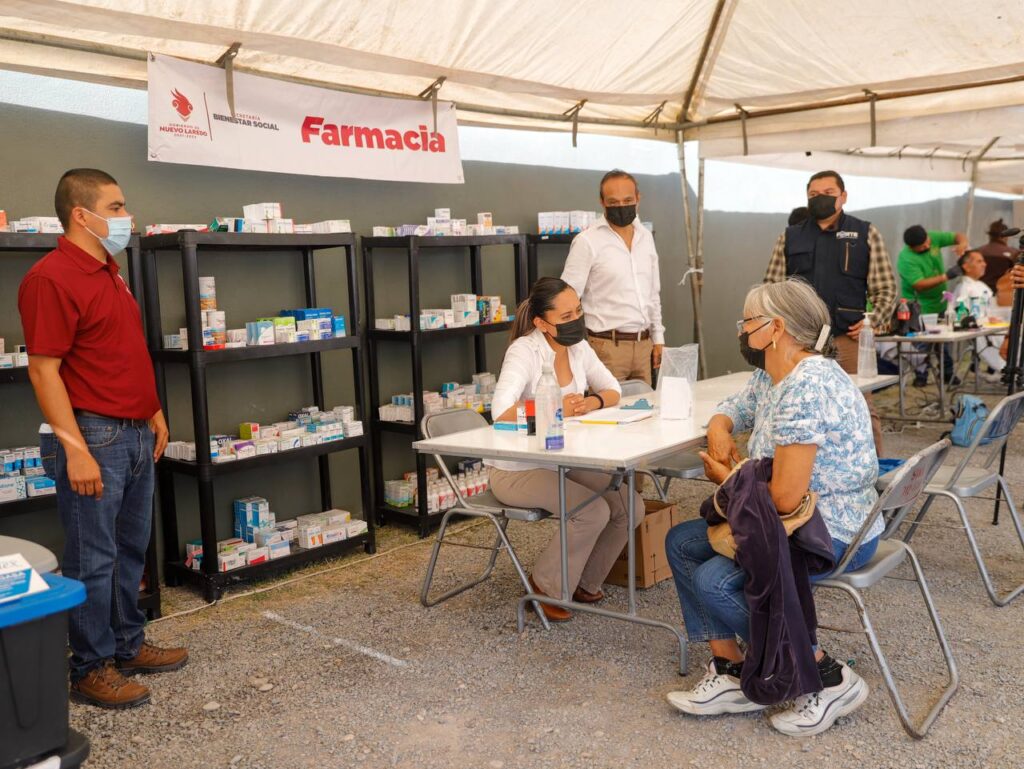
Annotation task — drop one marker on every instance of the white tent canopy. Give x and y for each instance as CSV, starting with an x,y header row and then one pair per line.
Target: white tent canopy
x,y
940,72
937,84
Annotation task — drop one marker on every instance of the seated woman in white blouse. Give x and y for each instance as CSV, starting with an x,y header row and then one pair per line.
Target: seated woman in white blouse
x,y
549,328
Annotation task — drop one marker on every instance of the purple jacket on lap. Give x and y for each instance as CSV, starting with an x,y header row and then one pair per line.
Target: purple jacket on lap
x,y
779,663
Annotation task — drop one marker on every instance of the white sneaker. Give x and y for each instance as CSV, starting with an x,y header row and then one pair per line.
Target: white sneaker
x,y
993,377
713,695
814,713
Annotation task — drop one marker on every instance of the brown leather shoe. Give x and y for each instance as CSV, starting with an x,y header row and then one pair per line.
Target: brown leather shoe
x,y
153,659
106,687
582,596
553,613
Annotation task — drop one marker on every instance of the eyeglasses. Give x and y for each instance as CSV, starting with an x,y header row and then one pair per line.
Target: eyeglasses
x,y
741,323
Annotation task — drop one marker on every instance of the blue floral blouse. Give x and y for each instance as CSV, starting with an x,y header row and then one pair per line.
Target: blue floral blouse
x,y
817,403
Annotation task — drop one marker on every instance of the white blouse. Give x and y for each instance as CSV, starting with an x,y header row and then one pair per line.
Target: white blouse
x,y
521,370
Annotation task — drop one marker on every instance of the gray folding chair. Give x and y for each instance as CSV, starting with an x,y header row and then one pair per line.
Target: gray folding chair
x,y
908,482
482,506
685,466
975,474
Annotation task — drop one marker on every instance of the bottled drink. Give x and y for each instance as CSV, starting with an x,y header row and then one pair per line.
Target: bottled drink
x,y
867,363
549,410
903,317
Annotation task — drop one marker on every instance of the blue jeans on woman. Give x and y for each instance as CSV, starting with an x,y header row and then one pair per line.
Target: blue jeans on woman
x,y
105,539
710,586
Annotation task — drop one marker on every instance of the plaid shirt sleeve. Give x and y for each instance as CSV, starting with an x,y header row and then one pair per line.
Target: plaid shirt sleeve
x,y
776,272
881,282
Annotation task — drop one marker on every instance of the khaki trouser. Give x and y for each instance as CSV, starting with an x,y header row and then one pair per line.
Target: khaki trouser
x,y
596,532
626,360
846,349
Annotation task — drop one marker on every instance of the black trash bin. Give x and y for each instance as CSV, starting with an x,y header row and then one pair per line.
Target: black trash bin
x,y
34,676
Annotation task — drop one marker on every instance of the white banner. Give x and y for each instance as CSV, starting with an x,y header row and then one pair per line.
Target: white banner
x,y
295,129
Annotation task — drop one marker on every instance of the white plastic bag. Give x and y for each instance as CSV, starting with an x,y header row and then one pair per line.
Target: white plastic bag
x,y
676,378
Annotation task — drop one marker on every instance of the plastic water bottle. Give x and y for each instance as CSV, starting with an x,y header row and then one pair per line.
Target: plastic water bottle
x,y
548,399
867,363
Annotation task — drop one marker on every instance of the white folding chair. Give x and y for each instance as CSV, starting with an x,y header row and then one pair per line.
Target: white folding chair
x,y
684,466
975,474
483,505
908,481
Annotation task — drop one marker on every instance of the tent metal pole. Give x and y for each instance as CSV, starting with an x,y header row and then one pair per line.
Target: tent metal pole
x,y
974,184
698,277
691,252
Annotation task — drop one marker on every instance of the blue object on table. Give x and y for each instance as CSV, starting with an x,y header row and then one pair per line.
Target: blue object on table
x,y
640,405
888,465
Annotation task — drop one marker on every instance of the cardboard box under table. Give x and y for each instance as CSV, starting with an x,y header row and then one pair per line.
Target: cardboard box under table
x,y
651,562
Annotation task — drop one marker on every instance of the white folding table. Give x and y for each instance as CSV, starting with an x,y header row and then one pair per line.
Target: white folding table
x,y
904,347
620,450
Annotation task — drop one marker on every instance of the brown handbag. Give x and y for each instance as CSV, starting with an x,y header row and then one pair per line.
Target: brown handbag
x,y
720,534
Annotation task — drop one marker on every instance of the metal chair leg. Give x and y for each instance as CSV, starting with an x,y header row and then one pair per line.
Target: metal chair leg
x,y
917,518
429,577
661,491
501,542
920,730
976,551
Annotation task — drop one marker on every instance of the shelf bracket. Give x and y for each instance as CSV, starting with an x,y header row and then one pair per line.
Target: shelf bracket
x,y
430,92
573,113
226,61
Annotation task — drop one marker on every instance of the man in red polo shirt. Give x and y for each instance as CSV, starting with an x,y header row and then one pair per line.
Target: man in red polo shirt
x,y
94,381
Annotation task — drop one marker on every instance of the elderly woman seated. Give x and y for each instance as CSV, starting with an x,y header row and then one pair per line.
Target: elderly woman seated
x,y
804,411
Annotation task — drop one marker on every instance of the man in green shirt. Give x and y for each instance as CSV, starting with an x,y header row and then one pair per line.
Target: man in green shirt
x,y
922,270
923,277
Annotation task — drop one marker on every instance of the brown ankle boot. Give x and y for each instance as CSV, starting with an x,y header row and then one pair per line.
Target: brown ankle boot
x,y
153,659
106,687
553,613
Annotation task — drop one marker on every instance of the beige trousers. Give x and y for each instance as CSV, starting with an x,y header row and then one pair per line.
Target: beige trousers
x,y
626,360
596,532
846,357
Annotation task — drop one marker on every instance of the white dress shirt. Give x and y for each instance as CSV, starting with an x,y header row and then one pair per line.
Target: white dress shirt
x,y
521,370
969,289
620,287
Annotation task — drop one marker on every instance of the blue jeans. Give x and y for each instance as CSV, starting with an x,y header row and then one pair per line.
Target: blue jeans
x,y
710,586
105,539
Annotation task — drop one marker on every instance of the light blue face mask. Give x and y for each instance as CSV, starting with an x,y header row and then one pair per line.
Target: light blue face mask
x,y
119,232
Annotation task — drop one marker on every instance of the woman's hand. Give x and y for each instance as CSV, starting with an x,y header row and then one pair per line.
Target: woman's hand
x,y
721,446
715,471
573,405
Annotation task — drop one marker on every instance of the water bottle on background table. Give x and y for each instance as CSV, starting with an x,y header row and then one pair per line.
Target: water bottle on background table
x,y
867,363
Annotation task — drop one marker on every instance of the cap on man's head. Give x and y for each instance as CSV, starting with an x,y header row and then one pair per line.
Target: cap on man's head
x,y
915,236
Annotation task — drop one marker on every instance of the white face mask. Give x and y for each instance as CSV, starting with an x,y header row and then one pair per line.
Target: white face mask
x,y
119,232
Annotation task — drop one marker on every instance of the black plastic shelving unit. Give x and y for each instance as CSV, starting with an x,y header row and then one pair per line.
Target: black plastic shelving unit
x,y
24,242
189,245
414,246
533,244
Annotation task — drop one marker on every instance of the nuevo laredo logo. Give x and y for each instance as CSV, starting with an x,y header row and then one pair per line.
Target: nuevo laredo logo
x,y
181,104
184,109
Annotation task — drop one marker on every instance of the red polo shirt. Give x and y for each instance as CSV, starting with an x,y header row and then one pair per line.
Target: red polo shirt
x,y
81,311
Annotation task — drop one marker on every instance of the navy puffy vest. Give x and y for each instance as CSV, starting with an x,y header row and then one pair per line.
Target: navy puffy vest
x,y
835,262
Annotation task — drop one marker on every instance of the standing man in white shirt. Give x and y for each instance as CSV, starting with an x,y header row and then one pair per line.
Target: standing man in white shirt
x,y
613,266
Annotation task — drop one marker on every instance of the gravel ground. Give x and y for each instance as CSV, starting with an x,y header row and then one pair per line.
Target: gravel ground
x,y
346,668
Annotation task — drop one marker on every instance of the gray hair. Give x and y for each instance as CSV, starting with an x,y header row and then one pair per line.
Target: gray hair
x,y
797,303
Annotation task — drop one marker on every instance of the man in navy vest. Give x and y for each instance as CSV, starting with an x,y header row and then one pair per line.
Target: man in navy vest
x,y
845,259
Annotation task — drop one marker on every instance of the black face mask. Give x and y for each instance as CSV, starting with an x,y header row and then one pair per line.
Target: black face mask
x,y
620,216
822,206
571,332
752,355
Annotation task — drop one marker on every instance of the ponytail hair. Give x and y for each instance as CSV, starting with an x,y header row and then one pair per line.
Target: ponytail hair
x,y
541,299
